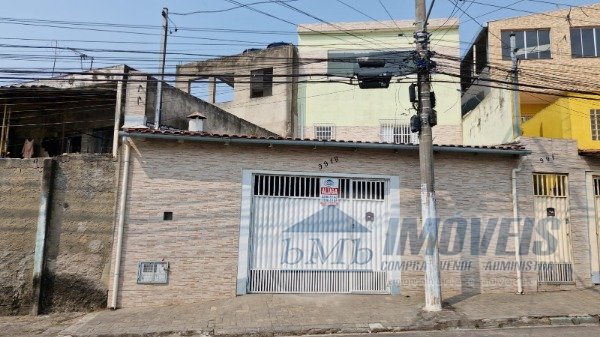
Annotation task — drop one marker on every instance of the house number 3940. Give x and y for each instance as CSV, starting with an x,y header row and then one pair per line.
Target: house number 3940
x,y
326,163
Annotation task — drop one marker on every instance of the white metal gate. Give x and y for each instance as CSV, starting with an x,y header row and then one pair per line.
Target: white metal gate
x,y
551,202
298,245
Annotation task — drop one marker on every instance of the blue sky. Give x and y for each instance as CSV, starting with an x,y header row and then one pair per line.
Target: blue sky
x,y
16,34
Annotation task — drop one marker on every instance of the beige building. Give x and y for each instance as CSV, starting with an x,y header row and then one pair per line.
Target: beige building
x,y
557,72
263,82
209,216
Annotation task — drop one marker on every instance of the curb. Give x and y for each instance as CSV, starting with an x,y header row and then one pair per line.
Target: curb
x,y
450,324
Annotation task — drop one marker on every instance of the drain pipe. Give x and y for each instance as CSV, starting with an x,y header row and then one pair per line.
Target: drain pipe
x,y
516,223
121,221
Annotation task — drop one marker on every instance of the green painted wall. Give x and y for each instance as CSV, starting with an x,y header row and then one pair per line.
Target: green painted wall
x,y
347,105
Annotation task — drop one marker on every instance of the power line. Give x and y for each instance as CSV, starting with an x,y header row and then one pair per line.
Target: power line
x,y
226,9
394,21
359,11
530,12
338,28
563,4
287,21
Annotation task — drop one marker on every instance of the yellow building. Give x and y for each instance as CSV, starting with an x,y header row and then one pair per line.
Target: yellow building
x,y
558,61
574,116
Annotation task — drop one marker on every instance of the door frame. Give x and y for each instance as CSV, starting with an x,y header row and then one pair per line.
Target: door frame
x,y
593,226
566,222
246,216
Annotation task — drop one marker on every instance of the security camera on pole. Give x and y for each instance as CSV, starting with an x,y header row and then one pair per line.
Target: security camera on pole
x,y
426,119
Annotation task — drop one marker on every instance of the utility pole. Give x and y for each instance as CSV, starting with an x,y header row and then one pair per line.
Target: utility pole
x,y
163,53
515,87
433,294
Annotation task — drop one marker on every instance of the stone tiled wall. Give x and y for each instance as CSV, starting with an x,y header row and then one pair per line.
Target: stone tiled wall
x,y
563,159
562,70
203,190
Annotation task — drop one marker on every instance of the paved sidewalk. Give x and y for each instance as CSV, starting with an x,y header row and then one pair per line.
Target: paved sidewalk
x,y
268,315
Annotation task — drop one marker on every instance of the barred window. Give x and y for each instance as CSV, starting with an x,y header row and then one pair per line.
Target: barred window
x,y
324,132
391,132
549,185
309,187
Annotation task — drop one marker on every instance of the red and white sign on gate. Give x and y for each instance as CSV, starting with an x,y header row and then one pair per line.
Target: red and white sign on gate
x,y
330,191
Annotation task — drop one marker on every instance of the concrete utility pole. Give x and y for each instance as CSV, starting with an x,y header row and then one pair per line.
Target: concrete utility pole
x,y
433,294
163,53
515,87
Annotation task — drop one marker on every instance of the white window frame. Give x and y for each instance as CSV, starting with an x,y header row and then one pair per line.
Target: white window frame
x,y
324,131
153,272
595,31
531,49
391,131
595,123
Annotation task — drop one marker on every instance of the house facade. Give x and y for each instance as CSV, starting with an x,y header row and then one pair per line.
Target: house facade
x,y
58,199
557,56
336,110
211,216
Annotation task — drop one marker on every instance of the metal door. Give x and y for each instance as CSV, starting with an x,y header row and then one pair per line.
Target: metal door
x,y
298,245
553,248
596,182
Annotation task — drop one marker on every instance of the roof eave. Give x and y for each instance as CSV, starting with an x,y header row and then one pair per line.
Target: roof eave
x,y
323,144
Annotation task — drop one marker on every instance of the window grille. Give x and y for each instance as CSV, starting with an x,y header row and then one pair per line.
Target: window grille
x,y
531,44
368,189
595,123
153,272
324,132
550,185
309,187
391,132
585,42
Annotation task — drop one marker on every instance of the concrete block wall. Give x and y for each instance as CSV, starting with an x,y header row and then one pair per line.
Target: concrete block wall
x,y
277,112
135,99
19,204
79,233
177,105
